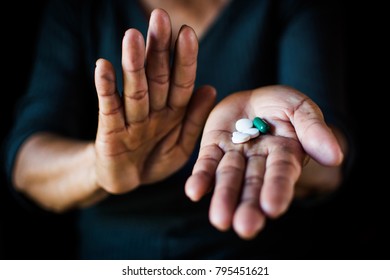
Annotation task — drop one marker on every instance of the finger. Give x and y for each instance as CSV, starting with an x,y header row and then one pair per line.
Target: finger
x,y
135,93
228,181
197,113
248,219
157,58
315,136
111,117
283,169
184,69
203,174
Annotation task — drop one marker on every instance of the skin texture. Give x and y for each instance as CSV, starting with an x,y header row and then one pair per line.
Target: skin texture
x,y
150,132
256,180
141,138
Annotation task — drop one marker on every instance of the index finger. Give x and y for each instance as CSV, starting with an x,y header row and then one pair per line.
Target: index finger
x,y
283,168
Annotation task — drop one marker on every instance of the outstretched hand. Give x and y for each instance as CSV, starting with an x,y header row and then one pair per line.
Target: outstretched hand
x,y
255,180
149,132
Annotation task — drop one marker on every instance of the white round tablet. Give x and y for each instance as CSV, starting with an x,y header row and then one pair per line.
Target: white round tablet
x,y
253,132
239,137
243,124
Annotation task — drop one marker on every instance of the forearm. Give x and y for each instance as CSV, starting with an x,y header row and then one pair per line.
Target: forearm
x,y
57,173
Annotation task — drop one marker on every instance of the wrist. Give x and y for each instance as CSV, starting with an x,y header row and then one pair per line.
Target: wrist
x,y
95,191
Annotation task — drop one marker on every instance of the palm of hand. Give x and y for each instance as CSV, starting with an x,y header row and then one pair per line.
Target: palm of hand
x,y
148,150
256,179
149,132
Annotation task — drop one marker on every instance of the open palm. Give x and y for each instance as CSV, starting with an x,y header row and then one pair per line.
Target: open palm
x,y
256,179
150,131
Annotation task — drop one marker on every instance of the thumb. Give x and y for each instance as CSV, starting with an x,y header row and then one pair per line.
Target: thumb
x,y
317,139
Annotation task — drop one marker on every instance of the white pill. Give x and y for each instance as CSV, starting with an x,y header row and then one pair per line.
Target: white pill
x,y
239,137
243,124
253,132
236,134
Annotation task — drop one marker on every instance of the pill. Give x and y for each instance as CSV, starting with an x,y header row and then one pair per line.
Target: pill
x,y
239,137
243,124
253,132
261,125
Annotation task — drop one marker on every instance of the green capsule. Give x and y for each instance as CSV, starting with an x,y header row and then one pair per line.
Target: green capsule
x,y
261,125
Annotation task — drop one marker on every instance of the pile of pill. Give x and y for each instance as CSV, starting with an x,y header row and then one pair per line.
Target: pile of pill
x,y
248,129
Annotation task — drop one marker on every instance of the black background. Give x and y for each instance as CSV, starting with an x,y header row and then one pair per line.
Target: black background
x,y
352,227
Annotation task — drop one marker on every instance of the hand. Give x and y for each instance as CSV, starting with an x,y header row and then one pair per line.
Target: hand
x,y
151,131
256,179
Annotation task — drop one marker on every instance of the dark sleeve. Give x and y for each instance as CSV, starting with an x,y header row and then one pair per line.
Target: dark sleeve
x,y
312,59
53,101
312,53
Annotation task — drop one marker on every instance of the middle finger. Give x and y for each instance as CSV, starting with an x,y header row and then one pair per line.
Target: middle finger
x,y
157,58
